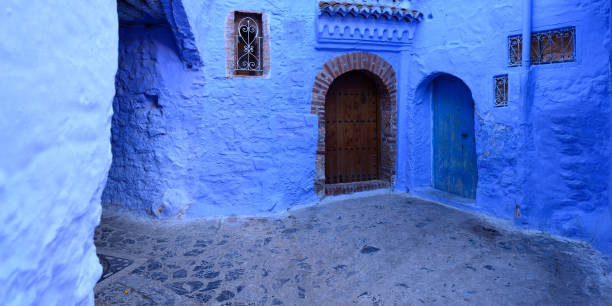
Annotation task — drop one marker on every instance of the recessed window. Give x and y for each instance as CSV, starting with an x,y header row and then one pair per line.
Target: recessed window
x,y
248,44
547,47
501,90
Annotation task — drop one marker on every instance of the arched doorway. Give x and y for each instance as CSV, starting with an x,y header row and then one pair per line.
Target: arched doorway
x,y
382,77
352,133
454,147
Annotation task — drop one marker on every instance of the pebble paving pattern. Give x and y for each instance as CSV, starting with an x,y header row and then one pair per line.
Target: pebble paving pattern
x,y
387,249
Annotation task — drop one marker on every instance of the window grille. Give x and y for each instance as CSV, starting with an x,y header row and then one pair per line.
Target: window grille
x,y
547,47
515,44
248,44
501,90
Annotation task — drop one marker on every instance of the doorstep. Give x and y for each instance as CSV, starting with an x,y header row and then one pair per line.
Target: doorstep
x,y
346,188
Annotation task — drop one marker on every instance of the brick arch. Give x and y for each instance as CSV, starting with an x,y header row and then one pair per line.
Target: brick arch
x,y
381,72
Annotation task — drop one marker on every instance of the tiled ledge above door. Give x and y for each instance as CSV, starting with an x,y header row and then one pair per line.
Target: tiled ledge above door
x,y
365,25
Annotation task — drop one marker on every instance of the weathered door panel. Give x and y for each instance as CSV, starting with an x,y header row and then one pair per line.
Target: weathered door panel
x,y
454,146
351,130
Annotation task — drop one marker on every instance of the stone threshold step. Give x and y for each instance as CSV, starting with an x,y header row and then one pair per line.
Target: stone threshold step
x,y
346,188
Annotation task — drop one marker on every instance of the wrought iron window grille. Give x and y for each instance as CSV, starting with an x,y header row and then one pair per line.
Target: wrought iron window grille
x,y
248,44
501,90
547,47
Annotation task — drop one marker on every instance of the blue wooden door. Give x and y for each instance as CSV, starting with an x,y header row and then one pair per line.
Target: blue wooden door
x,y
454,146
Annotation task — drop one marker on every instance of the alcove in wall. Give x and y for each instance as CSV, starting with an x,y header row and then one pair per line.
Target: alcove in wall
x,y
444,149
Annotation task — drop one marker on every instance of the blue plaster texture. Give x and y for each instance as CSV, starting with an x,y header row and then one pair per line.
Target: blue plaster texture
x,y
551,155
57,64
184,36
197,143
194,142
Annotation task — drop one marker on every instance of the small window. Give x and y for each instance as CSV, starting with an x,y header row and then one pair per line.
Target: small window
x,y
501,90
515,44
248,44
547,47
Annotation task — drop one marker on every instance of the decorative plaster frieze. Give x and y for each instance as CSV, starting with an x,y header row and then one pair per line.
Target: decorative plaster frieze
x,y
370,22
367,10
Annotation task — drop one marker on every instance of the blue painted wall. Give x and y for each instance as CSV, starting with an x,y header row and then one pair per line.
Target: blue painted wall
x,y
554,164
188,141
193,142
57,64
197,143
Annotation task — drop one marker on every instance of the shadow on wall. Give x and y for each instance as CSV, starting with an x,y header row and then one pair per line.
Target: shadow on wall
x,y
142,113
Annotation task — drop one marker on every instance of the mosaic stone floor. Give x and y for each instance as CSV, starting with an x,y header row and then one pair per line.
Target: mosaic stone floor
x,y
387,249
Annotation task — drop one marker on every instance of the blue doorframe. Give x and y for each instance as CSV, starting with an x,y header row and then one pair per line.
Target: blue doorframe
x,y
454,142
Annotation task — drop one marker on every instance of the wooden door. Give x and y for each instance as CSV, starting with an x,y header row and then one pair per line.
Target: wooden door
x,y
454,145
351,129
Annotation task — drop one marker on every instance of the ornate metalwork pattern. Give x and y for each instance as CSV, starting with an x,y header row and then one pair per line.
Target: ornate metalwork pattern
x,y
501,90
515,44
547,47
248,45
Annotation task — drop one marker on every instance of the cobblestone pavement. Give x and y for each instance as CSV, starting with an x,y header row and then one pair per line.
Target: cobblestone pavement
x,y
387,249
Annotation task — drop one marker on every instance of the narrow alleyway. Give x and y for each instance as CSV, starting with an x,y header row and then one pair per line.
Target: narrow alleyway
x,y
387,249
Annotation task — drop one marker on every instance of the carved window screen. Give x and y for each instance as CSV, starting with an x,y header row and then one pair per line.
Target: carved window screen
x,y
501,90
248,42
547,47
